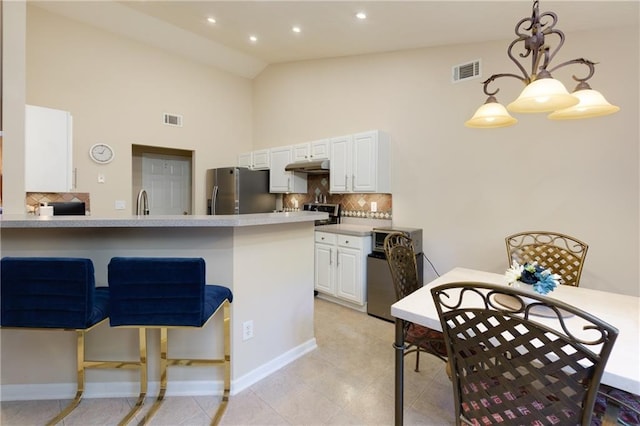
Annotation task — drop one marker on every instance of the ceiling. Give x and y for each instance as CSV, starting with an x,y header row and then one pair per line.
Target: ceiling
x,y
328,28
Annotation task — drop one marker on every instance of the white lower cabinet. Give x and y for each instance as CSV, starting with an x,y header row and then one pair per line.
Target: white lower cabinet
x,y
340,266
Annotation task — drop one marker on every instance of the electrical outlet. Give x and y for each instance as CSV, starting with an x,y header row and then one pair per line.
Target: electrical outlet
x,y
374,206
101,178
247,330
120,205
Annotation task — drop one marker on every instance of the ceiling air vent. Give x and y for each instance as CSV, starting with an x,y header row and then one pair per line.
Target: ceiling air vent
x,y
172,119
467,71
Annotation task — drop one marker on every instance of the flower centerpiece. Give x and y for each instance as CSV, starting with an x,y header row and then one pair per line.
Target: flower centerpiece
x,y
542,280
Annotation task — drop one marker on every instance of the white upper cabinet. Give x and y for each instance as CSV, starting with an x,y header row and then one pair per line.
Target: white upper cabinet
x,y
311,151
301,152
340,165
360,163
256,160
48,150
281,181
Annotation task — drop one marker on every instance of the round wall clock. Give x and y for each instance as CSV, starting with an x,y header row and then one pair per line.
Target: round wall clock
x,y
101,153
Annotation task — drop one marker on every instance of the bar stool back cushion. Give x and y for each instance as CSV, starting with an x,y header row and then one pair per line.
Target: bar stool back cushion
x,y
51,292
161,291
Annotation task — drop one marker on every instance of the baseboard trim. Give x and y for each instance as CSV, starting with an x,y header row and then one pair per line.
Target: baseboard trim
x,y
272,366
131,389
342,302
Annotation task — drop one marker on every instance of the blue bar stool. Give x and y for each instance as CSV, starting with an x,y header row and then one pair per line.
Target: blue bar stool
x,y
156,292
54,293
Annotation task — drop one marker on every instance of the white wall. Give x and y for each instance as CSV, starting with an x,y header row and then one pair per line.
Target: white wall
x,y
469,188
117,91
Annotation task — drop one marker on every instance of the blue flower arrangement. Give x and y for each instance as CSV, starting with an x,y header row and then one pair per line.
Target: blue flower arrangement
x,y
542,280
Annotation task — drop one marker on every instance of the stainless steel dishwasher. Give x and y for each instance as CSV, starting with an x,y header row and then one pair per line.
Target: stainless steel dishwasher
x,y
380,291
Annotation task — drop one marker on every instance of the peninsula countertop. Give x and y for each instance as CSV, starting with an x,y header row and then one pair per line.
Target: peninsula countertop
x,y
346,229
18,221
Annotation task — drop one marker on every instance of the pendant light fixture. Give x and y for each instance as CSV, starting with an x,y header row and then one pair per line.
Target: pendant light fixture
x,y
542,93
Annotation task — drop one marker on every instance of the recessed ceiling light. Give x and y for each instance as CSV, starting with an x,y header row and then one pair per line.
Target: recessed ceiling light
x,y
296,29
361,15
211,20
253,39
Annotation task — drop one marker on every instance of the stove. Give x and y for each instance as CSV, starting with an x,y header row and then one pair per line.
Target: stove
x,y
332,209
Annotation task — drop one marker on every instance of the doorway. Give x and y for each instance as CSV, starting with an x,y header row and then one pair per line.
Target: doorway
x,y
166,175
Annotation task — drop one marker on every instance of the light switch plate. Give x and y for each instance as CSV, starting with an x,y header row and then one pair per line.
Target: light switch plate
x,y
101,178
374,206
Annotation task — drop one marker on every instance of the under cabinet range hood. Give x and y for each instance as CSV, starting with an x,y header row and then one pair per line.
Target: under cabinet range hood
x,y
319,166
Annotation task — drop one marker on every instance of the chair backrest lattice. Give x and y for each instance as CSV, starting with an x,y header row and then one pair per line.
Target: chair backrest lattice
x,y
401,258
563,254
507,367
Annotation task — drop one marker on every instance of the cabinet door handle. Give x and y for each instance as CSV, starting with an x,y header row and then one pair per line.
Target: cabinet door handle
x,y
353,182
288,184
337,257
346,186
330,257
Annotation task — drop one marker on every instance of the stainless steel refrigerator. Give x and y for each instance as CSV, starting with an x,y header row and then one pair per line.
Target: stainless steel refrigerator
x,y
238,190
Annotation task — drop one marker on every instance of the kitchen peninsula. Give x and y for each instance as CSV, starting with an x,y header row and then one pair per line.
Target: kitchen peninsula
x,y
266,260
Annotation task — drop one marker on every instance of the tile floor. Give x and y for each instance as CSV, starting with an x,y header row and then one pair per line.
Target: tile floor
x,y
347,380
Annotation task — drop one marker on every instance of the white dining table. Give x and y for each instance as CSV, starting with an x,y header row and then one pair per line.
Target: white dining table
x,y
622,370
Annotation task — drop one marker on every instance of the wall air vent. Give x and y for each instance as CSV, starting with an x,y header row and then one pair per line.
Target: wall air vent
x,y
172,119
467,71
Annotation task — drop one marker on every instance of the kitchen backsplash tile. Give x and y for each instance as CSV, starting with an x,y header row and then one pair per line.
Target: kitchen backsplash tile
x,y
34,199
353,205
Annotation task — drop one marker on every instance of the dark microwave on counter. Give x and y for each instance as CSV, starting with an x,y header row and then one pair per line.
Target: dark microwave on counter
x,y
68,208
379,234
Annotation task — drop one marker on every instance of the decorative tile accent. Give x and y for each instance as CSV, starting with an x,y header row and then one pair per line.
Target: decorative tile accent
x,y
353,205
34,199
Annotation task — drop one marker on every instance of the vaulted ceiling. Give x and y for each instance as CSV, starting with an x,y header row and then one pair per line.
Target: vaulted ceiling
x,y
327,28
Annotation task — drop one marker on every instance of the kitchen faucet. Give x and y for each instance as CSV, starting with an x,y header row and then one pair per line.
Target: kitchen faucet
x,y
142,205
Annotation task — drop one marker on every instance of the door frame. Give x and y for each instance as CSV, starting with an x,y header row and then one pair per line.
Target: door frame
x,y
138,151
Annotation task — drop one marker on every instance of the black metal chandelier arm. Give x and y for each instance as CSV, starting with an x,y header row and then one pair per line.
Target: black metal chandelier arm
x,y
496,76
526,77
549,54
582,61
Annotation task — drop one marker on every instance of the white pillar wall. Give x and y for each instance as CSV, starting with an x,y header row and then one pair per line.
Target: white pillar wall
x,y
14,25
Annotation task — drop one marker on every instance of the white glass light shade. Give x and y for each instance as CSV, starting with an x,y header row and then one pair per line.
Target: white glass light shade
x,y
592,104
543,95
491,115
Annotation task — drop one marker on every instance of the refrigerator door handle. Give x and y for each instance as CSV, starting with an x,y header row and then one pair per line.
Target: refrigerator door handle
x,y
214,195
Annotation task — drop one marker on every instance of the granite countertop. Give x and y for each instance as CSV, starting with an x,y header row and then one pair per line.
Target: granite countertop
x,y
346,229
194,221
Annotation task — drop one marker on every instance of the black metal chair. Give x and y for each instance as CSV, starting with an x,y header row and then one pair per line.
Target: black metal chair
x,y
563,254
509,367
158,292
401,258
